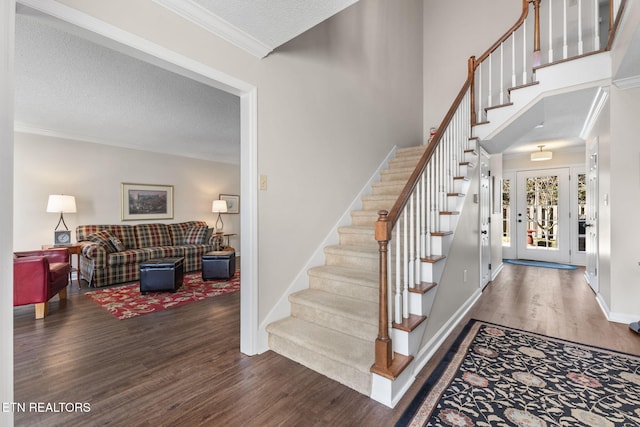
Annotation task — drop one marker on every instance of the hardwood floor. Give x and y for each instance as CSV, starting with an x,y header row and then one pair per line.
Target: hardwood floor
x,y
183,366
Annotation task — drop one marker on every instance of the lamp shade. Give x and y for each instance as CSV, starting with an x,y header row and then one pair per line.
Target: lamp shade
x,y
59,203
219,206
539,156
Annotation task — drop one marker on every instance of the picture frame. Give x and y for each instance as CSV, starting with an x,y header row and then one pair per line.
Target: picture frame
x,y
143,202
233,203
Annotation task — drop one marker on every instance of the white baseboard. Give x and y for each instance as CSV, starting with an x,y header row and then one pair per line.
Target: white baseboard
x,y
613,316
494,273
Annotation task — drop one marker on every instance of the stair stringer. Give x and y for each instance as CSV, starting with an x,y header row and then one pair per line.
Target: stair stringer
x,y
420,342
282,308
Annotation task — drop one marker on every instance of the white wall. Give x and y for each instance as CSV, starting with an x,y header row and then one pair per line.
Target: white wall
x,y
7,11
496,216
331,105
93,174
455,30
620,179
624,201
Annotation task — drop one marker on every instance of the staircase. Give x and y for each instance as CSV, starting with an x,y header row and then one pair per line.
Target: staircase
x,y
362,320
334,324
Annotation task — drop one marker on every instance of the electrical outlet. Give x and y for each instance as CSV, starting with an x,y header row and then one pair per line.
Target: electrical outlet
x,y
263,182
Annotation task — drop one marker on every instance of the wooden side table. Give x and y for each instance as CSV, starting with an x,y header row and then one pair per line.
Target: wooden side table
x,y
74,249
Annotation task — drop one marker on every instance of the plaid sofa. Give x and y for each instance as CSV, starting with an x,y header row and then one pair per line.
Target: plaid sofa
x,y
112,253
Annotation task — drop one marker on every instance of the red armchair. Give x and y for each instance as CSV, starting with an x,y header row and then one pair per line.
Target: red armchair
x,y
38,276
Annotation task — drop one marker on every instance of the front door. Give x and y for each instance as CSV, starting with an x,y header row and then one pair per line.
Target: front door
x,y
591,221
542,215
485,220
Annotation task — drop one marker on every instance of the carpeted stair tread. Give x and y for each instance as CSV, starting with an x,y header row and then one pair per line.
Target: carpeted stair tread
x,y
350,282
341,357
345,274
416,150
332,344
337,305
388,187
354,250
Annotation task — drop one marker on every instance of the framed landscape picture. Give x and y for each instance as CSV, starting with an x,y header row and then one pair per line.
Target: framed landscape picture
x,y
145,202
233,203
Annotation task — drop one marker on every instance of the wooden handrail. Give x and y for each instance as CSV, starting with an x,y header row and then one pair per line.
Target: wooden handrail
x,y
518,24
473,62
616,24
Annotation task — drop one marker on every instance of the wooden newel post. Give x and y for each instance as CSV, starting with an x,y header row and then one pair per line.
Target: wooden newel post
x,y
383,342
472,88
536,32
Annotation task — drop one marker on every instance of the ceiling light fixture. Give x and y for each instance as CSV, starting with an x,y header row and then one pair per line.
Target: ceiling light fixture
x,y
539,156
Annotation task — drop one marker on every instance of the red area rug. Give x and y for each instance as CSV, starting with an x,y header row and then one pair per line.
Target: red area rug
x,y
126,301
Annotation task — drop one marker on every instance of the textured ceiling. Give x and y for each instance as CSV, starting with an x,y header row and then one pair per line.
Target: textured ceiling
x,y
258,26
70,87
274,22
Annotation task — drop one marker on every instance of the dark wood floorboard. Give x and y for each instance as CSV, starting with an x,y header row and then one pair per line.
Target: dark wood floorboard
x,y
183,367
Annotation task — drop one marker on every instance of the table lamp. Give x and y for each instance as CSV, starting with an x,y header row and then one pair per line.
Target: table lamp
x,y
59,203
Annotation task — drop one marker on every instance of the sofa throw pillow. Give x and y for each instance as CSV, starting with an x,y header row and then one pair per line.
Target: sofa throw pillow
x,y
116,243
104,238
196,235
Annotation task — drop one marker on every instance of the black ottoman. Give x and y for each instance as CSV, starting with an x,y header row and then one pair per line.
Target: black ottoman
x,y
161,274
218,265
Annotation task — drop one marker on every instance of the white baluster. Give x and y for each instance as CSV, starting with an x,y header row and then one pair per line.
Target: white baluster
x,y
405,263
397,311
513,60
501,73
596,26
479,117
524,52
565,47
580,45
551,32
410,266
427,246
489,101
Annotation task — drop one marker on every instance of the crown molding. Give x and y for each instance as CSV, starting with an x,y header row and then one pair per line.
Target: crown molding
x,y
204,18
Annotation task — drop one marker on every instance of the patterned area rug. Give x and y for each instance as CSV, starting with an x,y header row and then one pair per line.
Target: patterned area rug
x,y
540,264
499,376
126,301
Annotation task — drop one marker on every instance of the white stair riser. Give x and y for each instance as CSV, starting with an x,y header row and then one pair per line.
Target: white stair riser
x,y
440,244
460,186
448,222
454,203
432,271
421,304
470,157
408,343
